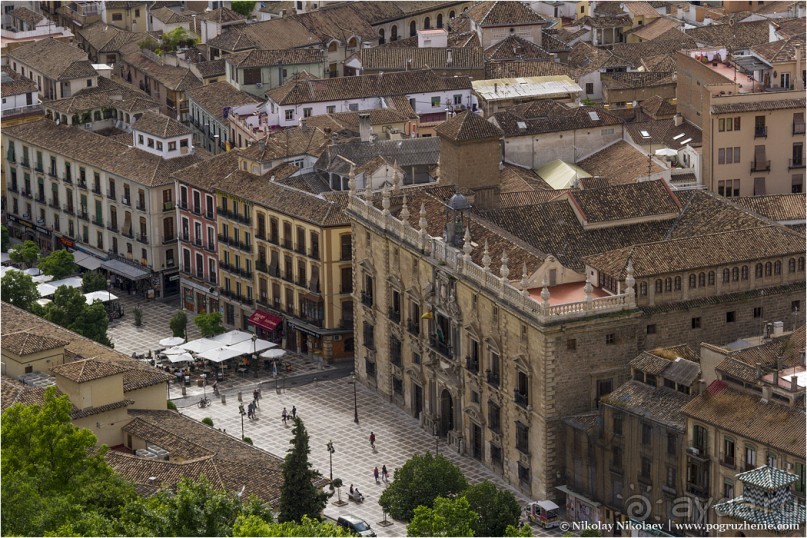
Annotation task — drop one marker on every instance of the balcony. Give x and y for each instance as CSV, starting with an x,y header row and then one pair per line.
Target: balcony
x,y
287,244
522,400
98,221
698,453
761,166
111,195
112,226
54,203
210,247
168,206
14,188
67,208
366,298
413,326
197,210
395,358
141,205
169,239
260,265
83,215
313,253
197,242
795,163
183,204
27,193
260,234
129,234
209,215
96,189
82,184
143,238
728,461
39,168
443,348
67,179
760,132
345,323
125,200
698,490
472,364
492,378
26,164
394,315
798,128
273,238
53,173
40,197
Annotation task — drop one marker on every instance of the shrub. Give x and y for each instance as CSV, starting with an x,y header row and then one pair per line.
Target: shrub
x,y
208,421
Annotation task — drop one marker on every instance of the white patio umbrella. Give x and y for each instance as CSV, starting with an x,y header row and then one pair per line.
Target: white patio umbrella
x,y
666,152
173,351
102,296
220,354
43,302
200,345
247,346
33,271
172,341
273,354
180,357
232,337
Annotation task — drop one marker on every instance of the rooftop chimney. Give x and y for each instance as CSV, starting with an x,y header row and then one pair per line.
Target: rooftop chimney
x,y
449,58
794,382
778,328
678,119
701,386
364,126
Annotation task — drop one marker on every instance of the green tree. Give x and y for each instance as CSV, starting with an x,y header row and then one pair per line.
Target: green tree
x,y
58,264
497,508
422,479
53,474
179,324
19,289
70,310
255,526
299,496
26,253
209,324
525,530
93,281
244,8
449,517
178,38
5,239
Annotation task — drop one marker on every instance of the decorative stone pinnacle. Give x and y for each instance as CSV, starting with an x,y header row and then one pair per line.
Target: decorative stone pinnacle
x,y
351,180
385,199
525,283
486,258
423,223
504,271
545,291
588,289
404,215
467,248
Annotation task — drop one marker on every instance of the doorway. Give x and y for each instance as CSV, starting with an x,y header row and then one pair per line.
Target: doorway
x,y
446,412
417,400
476,441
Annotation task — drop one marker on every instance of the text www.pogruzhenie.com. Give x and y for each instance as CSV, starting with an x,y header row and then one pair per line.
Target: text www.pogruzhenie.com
x,y
683,527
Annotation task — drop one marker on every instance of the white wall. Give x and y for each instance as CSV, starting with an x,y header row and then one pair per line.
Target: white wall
x,y
19,101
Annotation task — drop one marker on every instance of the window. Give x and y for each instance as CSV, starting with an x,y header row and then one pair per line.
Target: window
x,y
610,339
670,482
589,88
651,329
728,451
777,267
758,270
759,186
645,468
797,182
524,475
735,274
643,289
647,432
289,114
435,102
728,488
330,109
791,265
711,278
659,286
252,75
750,457
757,311
726,275
696,323
494,417
744,272
668,284
677,283
795,306
571,344
731,317
617,424
672,444
616,457
307,112
117,16
800,477
604,387
768,268
522,438
702,279
729,188
172,146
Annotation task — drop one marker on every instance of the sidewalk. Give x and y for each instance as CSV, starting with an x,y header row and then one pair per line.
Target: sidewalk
x,y
326,407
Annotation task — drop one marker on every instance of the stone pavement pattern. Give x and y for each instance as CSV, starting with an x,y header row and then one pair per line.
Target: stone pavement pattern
x,y
326,408
129,339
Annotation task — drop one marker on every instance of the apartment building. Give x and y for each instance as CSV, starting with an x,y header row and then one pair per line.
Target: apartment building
x,y
58,69
469,307
210,108
753,140
111,197
257,71
131,16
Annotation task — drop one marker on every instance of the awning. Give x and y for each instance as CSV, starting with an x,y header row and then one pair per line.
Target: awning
x,y
125,270
87,261
264,320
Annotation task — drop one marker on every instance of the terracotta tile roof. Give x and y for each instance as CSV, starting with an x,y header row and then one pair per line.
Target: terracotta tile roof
x,y
398,58
339,121
467,126
585,58
784,351
87,370
626,202
550,116
664,131
27,343
643,9
401,104
54,59
213,68
777,207
16,84
619,162
649,363
780,51
587,422
26,15
14,391
215,97
169,16
336,22
632,54
788,27
108,94
658,106
771,424
379,85
162,126
615,21
96,150
515,199
151,474
313,182
207,175
92,410
516,48
609,9
503,13
407,153
516,179
655,29
635,79
221,15
660,405
172,77
552,43
742,35
519,68
456,40
759,106
288,143
712,250
264,58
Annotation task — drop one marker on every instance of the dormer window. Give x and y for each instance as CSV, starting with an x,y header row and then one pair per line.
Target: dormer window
x,y
150,142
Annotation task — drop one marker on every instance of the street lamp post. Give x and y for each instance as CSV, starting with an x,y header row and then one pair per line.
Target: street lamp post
x,y
330,459
436,440
242,412
355,402
254,353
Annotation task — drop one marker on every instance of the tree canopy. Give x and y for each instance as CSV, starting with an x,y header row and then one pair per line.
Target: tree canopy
x,y
243,8
497,508
58,264
19,289
418,482
93,281
209,324
255,526
25,253
70,310
449,517
53,477
5,239
179,324
299,496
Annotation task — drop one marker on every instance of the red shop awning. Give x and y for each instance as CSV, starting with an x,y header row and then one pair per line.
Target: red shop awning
x,y
265,320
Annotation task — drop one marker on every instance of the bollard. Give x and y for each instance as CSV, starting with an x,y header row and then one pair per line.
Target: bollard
x,y
223,399
239,396
184,392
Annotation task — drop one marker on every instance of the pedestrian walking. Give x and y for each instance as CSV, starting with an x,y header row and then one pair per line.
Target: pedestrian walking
x,y
250,411
256,396
285,415
372,440
375,474
384,473
293,411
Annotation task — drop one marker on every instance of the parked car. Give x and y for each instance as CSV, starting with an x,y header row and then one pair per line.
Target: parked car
x,y
355,524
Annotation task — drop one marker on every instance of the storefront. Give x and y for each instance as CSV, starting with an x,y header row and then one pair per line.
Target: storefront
x,y
267,326
86,260
199,298
128,277
24,230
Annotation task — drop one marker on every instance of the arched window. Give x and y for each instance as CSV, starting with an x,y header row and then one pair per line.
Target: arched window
x,y
758,270
768,268
791,265
659,286
440,20
801,263
643,288
735,274
711,277
353,43
726,275
427,23
451,14
413,29
393,33
744,272
381,39
668,284
777,267
677,283
693,280
702,279
332,46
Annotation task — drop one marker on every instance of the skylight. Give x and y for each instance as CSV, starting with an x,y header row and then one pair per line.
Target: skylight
x,y
644,134
521,125
687,141
593,115
676,137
